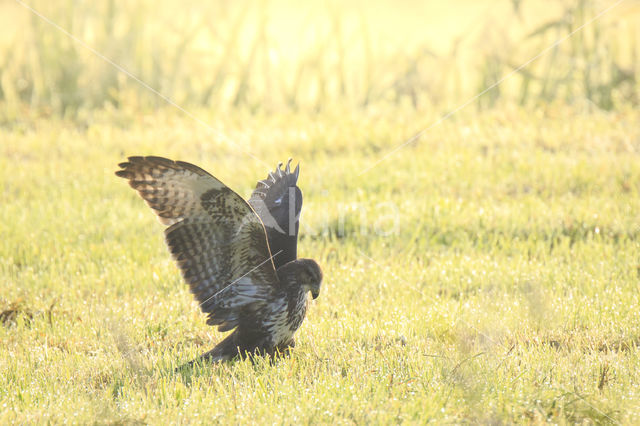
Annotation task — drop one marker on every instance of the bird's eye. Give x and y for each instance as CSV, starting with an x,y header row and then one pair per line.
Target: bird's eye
x,y
310,276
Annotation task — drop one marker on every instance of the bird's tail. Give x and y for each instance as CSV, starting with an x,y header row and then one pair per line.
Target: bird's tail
x,y
224,351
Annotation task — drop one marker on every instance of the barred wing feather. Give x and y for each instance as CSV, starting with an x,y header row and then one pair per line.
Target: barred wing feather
x,y
217,240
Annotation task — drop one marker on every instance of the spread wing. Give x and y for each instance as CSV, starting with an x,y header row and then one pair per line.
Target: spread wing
x,y
215,237
278,201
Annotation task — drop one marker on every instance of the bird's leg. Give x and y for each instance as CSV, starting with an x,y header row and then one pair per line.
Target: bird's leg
x,y
285,348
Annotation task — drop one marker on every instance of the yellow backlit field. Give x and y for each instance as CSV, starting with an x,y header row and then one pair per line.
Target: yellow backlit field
x,y
486,272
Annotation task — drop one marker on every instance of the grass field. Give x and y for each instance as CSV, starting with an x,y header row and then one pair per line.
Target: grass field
x,y
487,273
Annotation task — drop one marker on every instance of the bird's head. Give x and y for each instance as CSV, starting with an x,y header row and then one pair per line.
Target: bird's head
x,y
305,273
311,277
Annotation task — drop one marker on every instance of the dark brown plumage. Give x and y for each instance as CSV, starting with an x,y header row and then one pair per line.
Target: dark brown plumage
x,y
221,247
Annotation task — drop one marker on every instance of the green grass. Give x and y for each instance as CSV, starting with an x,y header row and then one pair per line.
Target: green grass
x,y
283,55
488,273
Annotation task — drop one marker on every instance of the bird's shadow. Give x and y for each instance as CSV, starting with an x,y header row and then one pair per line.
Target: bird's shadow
x,y
201,366
190,371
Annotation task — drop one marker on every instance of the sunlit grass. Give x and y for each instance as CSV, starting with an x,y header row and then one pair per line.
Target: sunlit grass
x,y
487,273
281,55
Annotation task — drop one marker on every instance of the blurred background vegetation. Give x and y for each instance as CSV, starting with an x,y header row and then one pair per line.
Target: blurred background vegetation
x,y
277,56
488,274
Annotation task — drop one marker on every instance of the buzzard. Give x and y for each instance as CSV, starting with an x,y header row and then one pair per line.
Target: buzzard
x,y
239,258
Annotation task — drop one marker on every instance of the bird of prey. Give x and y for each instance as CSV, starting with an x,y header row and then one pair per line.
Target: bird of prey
x,y
239,258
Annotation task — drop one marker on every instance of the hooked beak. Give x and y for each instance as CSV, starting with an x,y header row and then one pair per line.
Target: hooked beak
x,y
315,292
